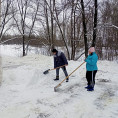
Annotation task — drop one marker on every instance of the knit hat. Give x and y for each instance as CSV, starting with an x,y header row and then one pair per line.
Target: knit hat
x,y
54,50
92,49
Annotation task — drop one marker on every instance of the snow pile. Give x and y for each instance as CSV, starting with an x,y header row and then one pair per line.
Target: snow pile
x,y
27,93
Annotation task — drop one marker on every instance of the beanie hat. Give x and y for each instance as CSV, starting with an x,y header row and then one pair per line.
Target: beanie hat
x,y
92,49
54,50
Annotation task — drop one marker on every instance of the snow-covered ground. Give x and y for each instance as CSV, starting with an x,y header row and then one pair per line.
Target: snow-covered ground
x,y
27,93
16,50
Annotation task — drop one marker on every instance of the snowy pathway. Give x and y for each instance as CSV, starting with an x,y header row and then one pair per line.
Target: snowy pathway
x,y
27,93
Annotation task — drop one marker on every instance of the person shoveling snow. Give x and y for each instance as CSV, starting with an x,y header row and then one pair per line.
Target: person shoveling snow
x,y
60,60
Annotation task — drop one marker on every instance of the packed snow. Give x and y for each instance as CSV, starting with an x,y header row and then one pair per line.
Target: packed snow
x,y
27,93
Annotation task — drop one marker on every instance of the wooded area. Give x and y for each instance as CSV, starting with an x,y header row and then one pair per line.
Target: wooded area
x,y
74,25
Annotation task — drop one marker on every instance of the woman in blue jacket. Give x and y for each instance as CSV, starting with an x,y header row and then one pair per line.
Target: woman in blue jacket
x,y
91,67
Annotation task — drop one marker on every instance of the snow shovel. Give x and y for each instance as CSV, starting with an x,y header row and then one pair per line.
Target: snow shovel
x,y
47,71
55,88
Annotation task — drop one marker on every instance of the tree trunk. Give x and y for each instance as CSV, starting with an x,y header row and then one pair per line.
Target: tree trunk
x,y
72,30
84,28
95,24
23,45
52,2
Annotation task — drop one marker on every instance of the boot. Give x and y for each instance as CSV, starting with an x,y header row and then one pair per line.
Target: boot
x,y
90,89
57,78
87,87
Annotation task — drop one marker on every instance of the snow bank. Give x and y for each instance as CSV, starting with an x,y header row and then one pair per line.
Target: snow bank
x,y
27,93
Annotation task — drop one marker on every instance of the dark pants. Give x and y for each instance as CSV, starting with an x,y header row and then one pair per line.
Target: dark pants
x,y
90,76
64,70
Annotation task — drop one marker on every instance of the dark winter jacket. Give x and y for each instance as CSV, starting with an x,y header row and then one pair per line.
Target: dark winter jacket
x,y
91,60
59,59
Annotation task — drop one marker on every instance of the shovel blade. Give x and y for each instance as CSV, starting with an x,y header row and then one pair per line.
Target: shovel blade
x,y
46,72
55,88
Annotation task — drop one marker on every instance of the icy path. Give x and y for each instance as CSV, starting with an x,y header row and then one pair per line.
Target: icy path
x,y
27,93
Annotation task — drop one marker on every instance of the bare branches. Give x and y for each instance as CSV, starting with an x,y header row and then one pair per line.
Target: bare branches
x,y
69,24
4,17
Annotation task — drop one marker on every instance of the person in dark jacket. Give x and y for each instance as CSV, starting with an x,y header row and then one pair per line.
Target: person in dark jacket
x,y
91,67
60,60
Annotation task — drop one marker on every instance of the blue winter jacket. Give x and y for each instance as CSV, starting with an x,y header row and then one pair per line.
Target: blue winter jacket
x,y
59,59
91,60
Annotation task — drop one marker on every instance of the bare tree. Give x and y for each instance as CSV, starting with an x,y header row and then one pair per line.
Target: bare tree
x,y
84,28
95,23
107,42
47,25
22,18
5,16
0,12
56,18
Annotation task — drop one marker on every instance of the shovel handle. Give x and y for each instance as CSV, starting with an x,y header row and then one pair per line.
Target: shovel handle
x,y
68,76
57,67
